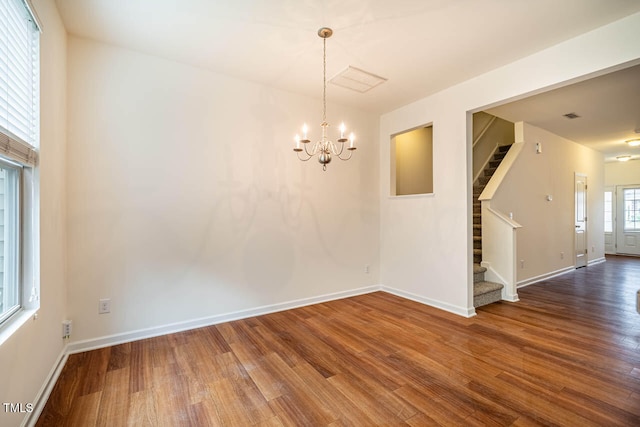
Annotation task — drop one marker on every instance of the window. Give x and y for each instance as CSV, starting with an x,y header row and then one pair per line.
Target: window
x,y
19,128
10,295
608,211
631,206
412,162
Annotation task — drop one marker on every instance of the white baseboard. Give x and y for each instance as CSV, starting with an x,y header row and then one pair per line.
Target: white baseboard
x,y
460,311
44,392
540,278
109,340
597,261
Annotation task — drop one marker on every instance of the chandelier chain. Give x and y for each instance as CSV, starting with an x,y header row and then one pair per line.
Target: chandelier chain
x,y
324,79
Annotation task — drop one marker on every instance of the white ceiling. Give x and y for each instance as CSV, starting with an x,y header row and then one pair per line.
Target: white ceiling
x,y
608,106
420,46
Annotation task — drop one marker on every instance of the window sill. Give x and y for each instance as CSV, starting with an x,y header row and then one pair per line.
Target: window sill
x,y
412,196
16,322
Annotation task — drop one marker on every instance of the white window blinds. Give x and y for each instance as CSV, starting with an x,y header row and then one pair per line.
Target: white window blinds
x,y
19,82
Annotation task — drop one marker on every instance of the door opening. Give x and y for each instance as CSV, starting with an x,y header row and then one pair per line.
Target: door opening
x,y
628,223
581,220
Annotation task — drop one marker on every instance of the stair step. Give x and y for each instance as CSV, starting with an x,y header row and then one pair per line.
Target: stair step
x,y
504,148
486,293
477,268
499,156
494,163
475,238
477,251
478,273
484,179
489,171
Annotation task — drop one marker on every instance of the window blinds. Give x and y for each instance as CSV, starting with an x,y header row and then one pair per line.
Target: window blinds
x,y
19,82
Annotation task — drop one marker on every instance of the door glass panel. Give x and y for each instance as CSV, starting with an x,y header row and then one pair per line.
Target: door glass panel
x,y
608,211
631,206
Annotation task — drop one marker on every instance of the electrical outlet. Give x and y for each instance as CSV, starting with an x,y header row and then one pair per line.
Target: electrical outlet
x,y
66,328
561,255
521,263
366,269
104,306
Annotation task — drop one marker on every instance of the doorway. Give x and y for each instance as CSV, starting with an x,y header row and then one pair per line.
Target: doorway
x,y
628,219
581,220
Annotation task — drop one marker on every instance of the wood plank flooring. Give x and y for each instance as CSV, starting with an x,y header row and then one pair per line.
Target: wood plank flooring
x,y
567,354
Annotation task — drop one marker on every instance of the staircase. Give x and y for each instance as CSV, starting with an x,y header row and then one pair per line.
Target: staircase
x,y
484,292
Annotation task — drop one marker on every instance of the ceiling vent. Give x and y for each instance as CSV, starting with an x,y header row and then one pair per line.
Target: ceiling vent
x,y
356,79
571,115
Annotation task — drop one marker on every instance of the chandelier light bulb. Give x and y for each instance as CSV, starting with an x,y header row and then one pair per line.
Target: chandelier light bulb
x,y
352,140
342,128
304,131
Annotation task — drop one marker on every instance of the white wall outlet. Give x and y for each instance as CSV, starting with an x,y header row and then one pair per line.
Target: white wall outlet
x,y
104,306
561,255
521,263
66,328
366,269
593,248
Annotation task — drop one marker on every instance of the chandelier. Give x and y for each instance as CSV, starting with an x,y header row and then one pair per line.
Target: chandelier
x,y
325,149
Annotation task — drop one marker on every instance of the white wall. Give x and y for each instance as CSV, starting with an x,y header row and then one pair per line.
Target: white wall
x,y
186,200
426,243
30,354
546,240
622,173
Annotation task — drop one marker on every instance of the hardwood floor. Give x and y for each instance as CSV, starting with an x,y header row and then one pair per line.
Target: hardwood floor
x,y
567,354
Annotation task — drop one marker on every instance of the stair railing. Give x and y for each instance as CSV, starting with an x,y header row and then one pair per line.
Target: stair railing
x,y
484,130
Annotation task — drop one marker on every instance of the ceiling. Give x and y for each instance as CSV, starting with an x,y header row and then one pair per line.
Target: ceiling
x,y
420,46
608,108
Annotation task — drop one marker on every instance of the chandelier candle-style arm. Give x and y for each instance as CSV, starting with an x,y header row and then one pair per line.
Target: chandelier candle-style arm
x,y
325,147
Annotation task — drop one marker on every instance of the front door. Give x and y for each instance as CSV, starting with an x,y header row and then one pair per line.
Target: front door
x,y
628,224
581,220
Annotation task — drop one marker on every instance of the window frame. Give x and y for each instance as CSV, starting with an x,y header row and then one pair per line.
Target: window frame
x,y
18,151
15,256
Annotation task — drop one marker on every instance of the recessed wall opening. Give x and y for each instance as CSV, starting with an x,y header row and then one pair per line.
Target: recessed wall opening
x,y
412,162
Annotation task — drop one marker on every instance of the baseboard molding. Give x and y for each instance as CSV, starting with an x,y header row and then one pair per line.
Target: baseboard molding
x,y
597,261
540,278
460,311
43,395
109,340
